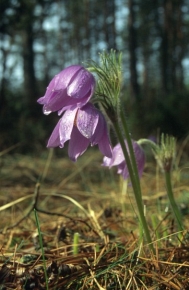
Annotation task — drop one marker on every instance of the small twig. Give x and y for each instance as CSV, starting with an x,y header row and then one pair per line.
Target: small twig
x,y
54,213
9,149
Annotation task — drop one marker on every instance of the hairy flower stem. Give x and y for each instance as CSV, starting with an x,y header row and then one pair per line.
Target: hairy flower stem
x,y
134,181
131,151
148,142
174,206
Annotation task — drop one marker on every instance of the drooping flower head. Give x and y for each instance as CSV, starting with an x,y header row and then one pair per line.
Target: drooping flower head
x,y
118,159
82,126
72,87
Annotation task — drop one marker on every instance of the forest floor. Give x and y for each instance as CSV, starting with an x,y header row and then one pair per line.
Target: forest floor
x,y
66,225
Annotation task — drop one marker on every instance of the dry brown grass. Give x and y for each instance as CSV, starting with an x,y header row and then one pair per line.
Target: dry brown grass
x,y
90,200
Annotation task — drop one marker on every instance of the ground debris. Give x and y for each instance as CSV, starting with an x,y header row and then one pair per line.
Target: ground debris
x,y
109,254
112,267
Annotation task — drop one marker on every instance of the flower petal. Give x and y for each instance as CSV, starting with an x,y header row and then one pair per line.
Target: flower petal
x,y
119,160
123,170
117,156
58,100
51,87
78,144
92,125
106,161
56,96
140,157
87,120
82,84
101,137
104,145
54,140
66,125
67,75
58,85
101,129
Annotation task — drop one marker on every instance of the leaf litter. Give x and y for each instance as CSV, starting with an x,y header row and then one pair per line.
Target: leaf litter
x,y
86,199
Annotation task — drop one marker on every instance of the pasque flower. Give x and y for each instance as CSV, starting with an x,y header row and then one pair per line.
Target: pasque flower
x,y
118,159
72,87
82,126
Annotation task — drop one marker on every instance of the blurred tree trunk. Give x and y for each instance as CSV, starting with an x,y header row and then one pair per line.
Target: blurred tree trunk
x,y
28,65
171,46
27,32
3,80
135,90
87,8
179,45
109,24
166,47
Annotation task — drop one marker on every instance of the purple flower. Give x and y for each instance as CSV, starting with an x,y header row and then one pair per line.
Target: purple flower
x,y
119,160
72,87
82,126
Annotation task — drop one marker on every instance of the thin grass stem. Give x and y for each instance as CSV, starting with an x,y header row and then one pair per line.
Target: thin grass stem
x,y
42,249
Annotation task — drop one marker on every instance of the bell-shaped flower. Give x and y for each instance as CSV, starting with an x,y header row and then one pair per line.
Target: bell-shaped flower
x,y
81,126
118,159
72,87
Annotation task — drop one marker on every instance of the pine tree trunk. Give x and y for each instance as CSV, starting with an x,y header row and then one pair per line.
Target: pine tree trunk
x,y
135,91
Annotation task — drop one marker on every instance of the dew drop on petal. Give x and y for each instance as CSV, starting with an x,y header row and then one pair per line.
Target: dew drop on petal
x,y
46,112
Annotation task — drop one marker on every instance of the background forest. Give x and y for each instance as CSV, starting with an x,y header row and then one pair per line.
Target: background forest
x,y
41,37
